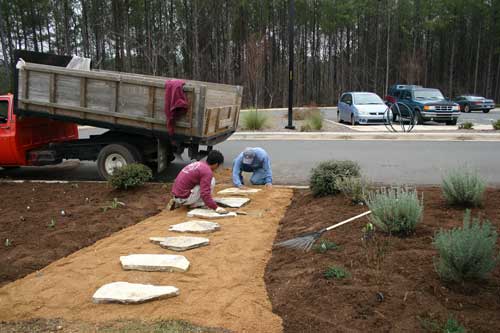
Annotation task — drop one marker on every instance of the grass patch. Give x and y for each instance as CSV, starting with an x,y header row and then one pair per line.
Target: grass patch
x,y
450,326
354,188
496,125
334,272
466,125
313,121
254,120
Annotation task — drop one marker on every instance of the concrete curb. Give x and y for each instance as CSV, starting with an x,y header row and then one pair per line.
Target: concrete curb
x,y
329,108
337,136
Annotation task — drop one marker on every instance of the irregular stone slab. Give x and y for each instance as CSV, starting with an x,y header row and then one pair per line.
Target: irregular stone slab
x,y
208,214
183,243
233,202
157,240
128,293
155,262
195,226
235,190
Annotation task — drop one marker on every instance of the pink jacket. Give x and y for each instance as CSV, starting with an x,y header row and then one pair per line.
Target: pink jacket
x,y
197,173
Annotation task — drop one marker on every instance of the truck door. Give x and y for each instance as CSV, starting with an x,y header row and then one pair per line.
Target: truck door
x,y
7,132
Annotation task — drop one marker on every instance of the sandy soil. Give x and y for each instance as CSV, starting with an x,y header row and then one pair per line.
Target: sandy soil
x,y
399,269
224,286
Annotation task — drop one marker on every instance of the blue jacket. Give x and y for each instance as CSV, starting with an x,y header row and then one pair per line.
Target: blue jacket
x,y
261,161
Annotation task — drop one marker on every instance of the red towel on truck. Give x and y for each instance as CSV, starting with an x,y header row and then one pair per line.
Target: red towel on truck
x,y
176,103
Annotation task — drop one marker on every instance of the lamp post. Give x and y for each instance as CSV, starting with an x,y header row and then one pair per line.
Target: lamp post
x,y
291,17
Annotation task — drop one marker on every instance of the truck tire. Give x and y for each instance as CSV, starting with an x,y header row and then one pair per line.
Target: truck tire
x,y
452,122
418,118
115,156
486,110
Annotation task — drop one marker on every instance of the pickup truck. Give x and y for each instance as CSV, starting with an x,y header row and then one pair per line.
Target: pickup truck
x,y
39,122
427,104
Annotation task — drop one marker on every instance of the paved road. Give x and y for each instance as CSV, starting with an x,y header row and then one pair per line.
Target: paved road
x,y
381,161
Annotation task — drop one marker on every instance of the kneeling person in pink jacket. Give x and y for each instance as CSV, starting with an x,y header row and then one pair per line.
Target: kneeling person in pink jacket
x,y
195,183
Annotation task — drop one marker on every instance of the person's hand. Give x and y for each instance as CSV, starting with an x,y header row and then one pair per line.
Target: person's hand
x,y
269,185
221,210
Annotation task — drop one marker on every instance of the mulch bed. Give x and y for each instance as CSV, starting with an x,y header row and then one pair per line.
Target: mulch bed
x,y
392,287
39,233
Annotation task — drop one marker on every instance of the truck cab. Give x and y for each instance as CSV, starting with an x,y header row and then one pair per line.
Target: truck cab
x,y
427,104
21,138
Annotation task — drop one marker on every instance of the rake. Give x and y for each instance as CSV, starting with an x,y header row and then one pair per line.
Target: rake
x,y
306,241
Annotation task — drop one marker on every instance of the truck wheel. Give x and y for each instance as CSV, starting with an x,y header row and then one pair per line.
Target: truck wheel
x,y
115,156
452,122
418,118
486,110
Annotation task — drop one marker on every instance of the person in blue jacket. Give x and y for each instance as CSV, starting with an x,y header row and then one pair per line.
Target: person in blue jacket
x,y
254,160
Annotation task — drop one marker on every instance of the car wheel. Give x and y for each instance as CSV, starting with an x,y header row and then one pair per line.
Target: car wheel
x,y
339,120
486,111
418,118
115,156
466,108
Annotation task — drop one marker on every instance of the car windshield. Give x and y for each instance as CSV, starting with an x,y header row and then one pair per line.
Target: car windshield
x,y
475,98
428,94
364,99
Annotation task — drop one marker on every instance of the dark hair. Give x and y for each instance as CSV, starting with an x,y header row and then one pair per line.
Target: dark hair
x,y
215,157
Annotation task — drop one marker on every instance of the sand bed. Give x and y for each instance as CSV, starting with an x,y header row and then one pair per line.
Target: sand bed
x,y
224,286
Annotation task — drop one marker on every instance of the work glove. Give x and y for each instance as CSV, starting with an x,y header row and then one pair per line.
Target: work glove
x,y
221,210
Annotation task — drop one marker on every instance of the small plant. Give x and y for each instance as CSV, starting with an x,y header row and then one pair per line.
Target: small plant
x,y
450,326
254,120
113,205
466,125
354,188
52,224
496,125
8,242
463,187
131,175
368,232
324,176
395,210
325,246
313,121
334,272
466,253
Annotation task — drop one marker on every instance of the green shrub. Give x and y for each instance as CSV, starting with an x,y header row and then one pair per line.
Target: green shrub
x,y
463,187
395,210
466,125
354,188
466,253
254,120
302,114
334,272
315,121
325,246
496,125
130,175
453,326
323,176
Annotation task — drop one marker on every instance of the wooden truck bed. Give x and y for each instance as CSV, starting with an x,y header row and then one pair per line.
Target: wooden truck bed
x,y
135,102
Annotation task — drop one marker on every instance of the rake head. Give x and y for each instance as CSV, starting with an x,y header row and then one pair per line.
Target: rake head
x,y
303,242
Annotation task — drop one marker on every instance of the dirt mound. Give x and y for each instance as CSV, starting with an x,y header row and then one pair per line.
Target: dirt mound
x,y
393,286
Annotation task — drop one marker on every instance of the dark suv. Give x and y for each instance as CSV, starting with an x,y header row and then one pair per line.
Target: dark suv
x,y
427,104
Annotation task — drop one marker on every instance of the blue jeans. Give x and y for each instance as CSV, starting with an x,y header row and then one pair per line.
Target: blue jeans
x,y
258,177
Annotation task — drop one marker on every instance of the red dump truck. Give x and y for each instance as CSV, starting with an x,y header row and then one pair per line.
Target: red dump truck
x,y
39,122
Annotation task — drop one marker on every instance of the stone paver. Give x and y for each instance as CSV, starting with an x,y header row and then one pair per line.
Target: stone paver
x,y
233,202
209,214
235,190
128,293
155,262
195,226
183,243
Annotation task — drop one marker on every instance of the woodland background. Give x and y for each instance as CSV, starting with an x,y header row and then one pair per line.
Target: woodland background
x,y
340,45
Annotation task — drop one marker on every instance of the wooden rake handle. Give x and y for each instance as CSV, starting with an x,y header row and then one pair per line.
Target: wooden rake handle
x,y
348,220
